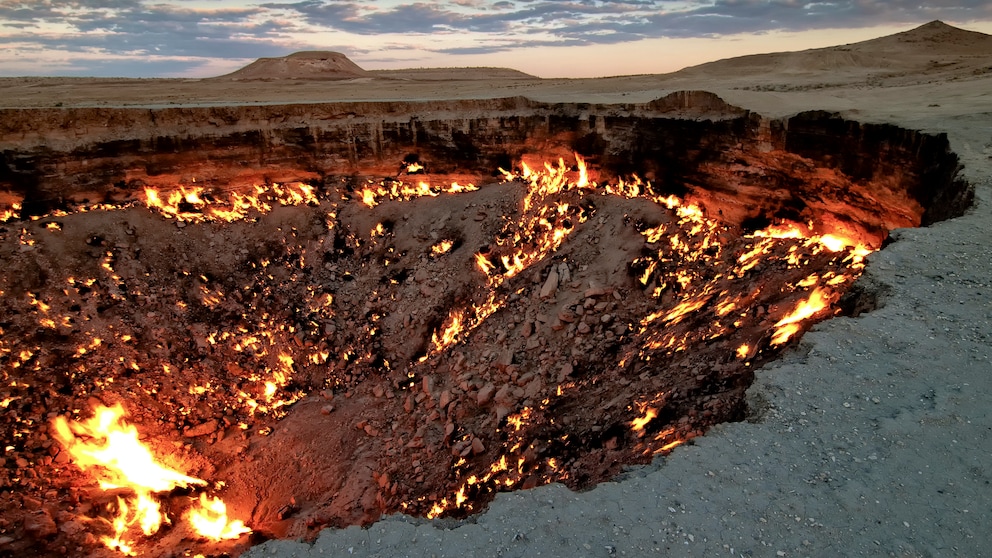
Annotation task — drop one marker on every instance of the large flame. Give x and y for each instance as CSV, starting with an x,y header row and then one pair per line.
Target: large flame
x,y
110,445
109,448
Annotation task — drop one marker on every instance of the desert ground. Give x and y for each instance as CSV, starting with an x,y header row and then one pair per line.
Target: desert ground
x,y
868,438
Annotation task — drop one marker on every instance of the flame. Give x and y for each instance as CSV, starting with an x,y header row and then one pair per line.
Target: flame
x,y
114,448
484,264
789,325
638,424
194,205
210,520
442,247
583,180
108,447
450,334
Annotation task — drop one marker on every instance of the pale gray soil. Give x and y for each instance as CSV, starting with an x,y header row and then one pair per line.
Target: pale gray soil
x,y
870,439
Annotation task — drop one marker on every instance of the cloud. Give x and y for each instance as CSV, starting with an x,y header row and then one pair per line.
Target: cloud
x,y
600,21
247,29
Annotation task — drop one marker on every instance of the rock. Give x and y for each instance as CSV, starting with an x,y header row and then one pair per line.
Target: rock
x,y
31,504
583,328
564,275
527,329
533,388
485,394
327,409
551,284
40,524
477,446
202,429
504,396
594,292
502,411
566,316
505,360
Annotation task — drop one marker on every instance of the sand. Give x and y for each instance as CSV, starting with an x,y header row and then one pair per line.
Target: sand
x,y
871,438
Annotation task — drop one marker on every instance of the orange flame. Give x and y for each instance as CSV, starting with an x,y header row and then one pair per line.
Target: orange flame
x,y
789,325
115,448
638,424
210,520
109,447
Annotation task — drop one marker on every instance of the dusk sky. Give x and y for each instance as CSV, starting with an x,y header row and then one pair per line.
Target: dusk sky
x,y
578,38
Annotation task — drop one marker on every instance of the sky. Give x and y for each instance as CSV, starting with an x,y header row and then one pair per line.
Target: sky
x,y
547,38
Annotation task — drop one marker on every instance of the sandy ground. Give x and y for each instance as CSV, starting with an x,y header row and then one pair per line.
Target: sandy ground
x,y
870,439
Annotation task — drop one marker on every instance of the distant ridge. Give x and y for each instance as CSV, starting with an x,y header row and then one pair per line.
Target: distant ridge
x,y
307,65
925,49
444,74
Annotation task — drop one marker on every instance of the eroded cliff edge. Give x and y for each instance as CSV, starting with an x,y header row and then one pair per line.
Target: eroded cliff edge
x,y
749,168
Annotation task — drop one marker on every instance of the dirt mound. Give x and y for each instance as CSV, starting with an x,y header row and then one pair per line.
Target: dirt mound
x,y
309,65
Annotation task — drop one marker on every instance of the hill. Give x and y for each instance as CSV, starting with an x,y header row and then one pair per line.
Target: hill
x,y
308,65
926,52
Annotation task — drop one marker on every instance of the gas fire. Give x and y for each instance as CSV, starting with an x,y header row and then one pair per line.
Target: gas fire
x,y
108,447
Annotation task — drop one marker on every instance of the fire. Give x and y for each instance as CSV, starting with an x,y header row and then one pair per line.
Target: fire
x,y
484,264
195,205
451,333
789,325
108,447
692,274
210,520
638,424
113,446
442,247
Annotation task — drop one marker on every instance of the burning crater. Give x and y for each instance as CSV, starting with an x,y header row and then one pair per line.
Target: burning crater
x,y
312,315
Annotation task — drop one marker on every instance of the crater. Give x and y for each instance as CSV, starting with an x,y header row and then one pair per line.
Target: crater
x,y
331,312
